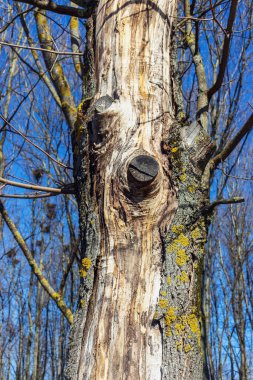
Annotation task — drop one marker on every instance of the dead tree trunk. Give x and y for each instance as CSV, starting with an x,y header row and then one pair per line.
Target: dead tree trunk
x,y
141,196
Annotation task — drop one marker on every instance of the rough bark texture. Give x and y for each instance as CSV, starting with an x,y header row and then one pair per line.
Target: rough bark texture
x,y
139,315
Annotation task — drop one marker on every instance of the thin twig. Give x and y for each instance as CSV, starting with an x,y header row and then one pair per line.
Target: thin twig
x,y
39,49
226,49
14,18
233,176
35,145
231,145
28,196
65,189
218,202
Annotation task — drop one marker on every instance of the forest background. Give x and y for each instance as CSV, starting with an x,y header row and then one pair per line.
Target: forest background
x,y
35,150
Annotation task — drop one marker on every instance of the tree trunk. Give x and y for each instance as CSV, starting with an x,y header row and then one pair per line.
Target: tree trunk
x,y
140,194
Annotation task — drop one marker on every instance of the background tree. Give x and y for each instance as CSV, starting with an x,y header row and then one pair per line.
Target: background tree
x,y
163,86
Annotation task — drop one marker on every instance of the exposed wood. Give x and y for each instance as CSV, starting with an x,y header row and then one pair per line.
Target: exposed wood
x,y
132,67
139,314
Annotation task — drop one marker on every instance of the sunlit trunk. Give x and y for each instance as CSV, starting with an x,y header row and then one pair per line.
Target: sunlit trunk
x,y
139,315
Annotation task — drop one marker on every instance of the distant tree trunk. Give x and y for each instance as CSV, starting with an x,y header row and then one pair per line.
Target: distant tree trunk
x,y
141,193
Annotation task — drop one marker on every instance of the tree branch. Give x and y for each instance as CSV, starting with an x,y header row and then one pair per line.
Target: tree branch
x,y
66,189
5,43
218,202
57,298
225,51
35,145
85,12
192,42
28,196
231,145
228,149
55,69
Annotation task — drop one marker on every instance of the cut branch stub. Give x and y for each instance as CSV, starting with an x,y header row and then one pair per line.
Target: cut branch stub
x,y
103,103
143,170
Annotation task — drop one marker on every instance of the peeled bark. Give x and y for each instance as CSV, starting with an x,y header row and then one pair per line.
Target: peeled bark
x,y
140,194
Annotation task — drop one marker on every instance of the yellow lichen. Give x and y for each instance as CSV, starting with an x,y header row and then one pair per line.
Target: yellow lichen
x,y
82,273
179,328
74,22
183,277
82,302
174,150
169,280
181,115
195,265
177,228
179,346
86,263
193,324
163,303
195,234
187,348
168,331
172,247
183,177
156,315
192,187
202,250
163,293
181,257
182,240
170,316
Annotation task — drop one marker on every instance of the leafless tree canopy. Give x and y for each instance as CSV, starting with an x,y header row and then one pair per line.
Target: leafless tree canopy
x,y
46,98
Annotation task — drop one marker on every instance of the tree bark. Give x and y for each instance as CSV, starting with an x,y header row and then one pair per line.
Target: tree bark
x,y
141,196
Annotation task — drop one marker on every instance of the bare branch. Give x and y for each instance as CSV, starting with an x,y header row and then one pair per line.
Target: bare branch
x,y
75,46
5,43
55,69
14,18
218,202
192,42
231,145
35,145
85,12
225,51
66,189
28,186
235,177
28,196
57,298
